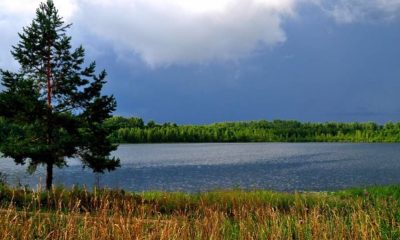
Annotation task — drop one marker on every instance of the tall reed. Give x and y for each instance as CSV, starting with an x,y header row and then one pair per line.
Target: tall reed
x,y
114,214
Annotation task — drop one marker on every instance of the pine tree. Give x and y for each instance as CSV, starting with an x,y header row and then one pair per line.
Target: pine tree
x,y
53,106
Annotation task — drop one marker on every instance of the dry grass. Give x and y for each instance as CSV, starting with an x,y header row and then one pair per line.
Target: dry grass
x,y
79,214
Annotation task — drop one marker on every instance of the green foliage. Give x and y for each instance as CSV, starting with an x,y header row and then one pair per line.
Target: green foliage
x,y
52,108
126,130
181,202
225,214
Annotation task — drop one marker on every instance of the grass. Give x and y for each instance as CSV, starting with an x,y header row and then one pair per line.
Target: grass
x,y
372,213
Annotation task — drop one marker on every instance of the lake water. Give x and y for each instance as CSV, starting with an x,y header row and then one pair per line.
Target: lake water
x,y
201,167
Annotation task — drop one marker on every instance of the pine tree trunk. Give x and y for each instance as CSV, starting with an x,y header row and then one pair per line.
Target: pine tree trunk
x,y
49,176
49,80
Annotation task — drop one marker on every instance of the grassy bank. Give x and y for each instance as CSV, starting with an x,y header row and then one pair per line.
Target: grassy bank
x,y
372,213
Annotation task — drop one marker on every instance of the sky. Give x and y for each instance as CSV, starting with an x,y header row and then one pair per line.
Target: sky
x,y
204,61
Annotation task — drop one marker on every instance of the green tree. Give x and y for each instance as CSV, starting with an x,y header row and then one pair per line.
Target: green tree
x,y
53,107
151,124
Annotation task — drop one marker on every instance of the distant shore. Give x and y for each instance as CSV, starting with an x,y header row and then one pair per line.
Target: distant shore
x,y
134,130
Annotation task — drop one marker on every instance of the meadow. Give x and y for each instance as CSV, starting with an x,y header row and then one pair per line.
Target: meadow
x,y
77,213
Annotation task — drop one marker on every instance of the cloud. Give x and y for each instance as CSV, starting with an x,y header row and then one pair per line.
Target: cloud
x,y
350,11
15,14
162,32
167,32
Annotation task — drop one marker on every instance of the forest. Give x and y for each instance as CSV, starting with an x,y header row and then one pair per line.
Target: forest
x,y
135,130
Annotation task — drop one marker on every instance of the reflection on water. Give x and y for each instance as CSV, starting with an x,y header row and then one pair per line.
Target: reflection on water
x,y
199,167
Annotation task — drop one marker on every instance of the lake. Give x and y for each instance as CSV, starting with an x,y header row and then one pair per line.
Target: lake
x,y
201,167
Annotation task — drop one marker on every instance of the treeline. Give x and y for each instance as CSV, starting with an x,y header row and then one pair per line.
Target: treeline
x,y
134,130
